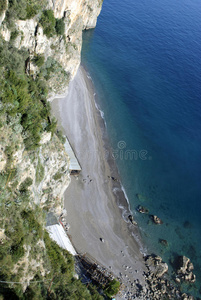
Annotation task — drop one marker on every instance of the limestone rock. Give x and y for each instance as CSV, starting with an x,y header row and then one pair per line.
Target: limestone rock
x,y
130,217
156,266
156,220
2,15
185,268
5,33
142,209
65,50
46,136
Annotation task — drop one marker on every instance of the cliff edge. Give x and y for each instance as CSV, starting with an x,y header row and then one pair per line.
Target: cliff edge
x,y
40,47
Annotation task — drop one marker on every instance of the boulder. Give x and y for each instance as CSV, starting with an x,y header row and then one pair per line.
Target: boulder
x,y
130,217
163,242
142,209
183,262
45,137
156,220
185,268
156,266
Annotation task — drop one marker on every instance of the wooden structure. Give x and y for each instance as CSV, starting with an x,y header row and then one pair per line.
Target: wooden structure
x,y
94,270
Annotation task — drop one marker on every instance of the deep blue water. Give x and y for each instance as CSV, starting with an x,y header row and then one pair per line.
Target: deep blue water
x,y
145,60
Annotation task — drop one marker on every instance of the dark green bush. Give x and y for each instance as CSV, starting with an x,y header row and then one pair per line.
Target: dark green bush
x,y
39,60
31,11
48,23
2,6
112,288
57,176
22,9
60,26
25,184
17,251
17,9
14,34
31,224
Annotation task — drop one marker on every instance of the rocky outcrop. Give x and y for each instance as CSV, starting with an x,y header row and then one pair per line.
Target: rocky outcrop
x,y
158,286
33,180
185,268
131,219
88,10
66,49
156,266
3,14
142,209
156,220
47,168
163,242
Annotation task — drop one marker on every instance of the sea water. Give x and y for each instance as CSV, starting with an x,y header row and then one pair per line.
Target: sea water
x,y
144,58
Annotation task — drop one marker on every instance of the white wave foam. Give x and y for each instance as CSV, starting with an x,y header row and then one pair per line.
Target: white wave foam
x,y
126,197
102,114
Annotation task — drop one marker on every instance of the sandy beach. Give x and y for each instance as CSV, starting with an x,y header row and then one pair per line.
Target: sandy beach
x,y
92,200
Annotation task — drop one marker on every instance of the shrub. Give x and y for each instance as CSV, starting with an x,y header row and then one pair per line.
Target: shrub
x,y
48,23
31,11
57,176
14,34
31,224
60,26
22,9
17,251
39,172
112,288
2,6
25,184
39,60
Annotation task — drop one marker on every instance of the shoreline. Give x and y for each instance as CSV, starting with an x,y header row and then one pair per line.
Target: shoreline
x,y
92,217
94,202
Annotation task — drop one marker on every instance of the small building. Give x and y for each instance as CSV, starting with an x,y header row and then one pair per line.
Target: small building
x,y
74,167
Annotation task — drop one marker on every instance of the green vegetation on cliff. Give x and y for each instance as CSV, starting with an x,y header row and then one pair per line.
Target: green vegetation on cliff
x,y
22,9
2,6
51,26
26,251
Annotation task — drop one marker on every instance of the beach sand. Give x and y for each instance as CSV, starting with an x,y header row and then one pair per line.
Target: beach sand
x,y
92,200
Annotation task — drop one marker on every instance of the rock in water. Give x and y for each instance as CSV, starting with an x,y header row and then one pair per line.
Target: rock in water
x,y
156,220
142,209
163,242
130,217
185,268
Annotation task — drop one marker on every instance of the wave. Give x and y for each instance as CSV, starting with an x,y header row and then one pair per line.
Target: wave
x,y
100,111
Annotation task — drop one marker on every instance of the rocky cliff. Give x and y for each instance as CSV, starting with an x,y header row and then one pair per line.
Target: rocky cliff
x,y
40,47
65,48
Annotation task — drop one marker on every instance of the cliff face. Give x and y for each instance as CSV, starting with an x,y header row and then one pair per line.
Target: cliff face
x,y
66,48
88,10
34,167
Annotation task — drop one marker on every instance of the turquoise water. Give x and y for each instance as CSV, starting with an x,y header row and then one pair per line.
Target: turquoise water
x,y
145,61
